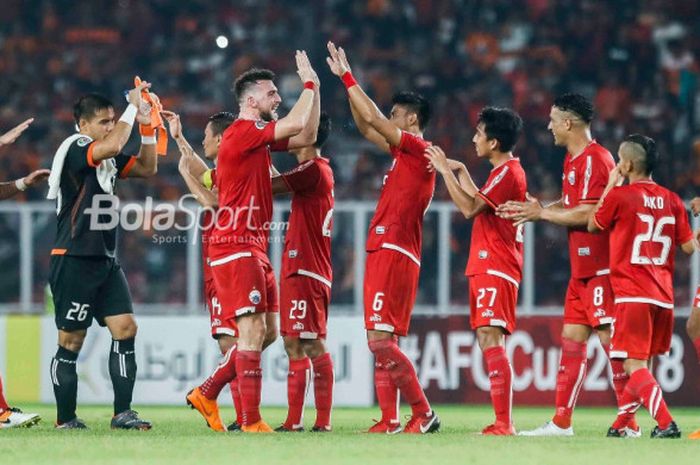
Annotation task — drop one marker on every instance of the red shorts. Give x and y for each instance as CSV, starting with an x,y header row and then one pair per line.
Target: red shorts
x,y
492,302
589,302
696,299
244,284
304,307
219,323
391,282
641,331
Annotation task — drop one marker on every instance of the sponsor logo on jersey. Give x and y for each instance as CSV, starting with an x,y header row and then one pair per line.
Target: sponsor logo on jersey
x,y
255,297
293,253
298,326
380,230
572,177
584,251
375,318
483,254
83,141
488,313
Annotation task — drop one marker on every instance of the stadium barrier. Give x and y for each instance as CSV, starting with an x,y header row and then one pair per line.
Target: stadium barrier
x,y
176,353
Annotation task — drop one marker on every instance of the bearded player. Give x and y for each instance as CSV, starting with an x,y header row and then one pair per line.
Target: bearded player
x,y
496,251
306,279
646,223
589,300
394,245
244,279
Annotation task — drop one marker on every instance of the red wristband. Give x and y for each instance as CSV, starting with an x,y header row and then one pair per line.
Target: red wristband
x,y
348,80
147,130
309,85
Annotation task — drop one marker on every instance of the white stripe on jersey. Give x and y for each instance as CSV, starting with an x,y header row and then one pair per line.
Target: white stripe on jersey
x,y
495,181
587,177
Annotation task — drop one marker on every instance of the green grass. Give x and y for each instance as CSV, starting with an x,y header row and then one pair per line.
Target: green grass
x,y
180,436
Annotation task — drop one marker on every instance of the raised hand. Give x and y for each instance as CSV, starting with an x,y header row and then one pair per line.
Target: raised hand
x,y
36,176
134,96
437,159
12,135
174,124
615,177
304,69
337,61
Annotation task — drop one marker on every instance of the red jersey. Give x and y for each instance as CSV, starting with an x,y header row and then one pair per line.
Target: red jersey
x,y
408,189
497,246
584,180
646,222
307,245
245,190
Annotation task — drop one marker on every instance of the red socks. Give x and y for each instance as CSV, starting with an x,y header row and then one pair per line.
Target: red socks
x,y
619,381
3,402
501,378
387,394
298,379
249,384
236,396
324,379
572,372
224,373
402,373
643,389
696,343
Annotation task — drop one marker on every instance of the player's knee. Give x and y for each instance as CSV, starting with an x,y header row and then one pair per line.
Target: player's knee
x,y
74,345
270,334
693,326
604,334
490,336
576,333
225,343
126,330
314,348
293,348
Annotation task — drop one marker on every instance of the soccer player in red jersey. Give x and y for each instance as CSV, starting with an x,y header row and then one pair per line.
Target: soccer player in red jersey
x,y
589,304
305,282
394,245
201,182
496,252
245,282
11,417
646,222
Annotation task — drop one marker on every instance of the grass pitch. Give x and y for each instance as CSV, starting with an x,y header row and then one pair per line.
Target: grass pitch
x,y
180,436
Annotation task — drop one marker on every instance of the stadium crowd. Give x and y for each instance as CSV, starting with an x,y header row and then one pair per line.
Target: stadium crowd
x,y
637,60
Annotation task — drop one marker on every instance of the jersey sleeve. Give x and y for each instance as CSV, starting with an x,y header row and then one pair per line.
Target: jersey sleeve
x,y
281,145
124,164
595,179
684,232
499,189
302,178
79,155
607,214
253,134
409,145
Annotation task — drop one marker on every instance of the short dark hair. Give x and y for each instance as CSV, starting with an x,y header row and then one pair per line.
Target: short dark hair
x,y
88,105
246,80
651,154
502,124
414,103
324,129
576,104
220,121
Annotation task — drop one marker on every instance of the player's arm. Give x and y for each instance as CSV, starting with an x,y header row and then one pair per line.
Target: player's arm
x,y
614,179
112,145
146,164
463,191
10,136
365,111
308,135
368,132
200,187
302,178
194,163
279,186
11,188
299,116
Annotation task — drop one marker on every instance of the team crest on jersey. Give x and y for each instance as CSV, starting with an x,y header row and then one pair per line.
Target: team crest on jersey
x,y
380,230
572,177
293,254
260,124
483,254
254,297
83,141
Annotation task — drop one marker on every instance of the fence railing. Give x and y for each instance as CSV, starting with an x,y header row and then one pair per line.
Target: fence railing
x,y
164,268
